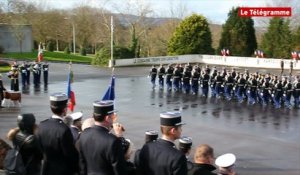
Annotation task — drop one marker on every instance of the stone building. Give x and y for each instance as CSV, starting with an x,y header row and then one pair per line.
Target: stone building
x,y
16,38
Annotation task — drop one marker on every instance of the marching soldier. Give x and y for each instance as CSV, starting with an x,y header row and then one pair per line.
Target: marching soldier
x,y
195,81
213,83
169,76
219,83
266,91
161,75
161,157
229,82
253,90
296,92
241,88
152,75
278,94
177,79
45,68
205,83
186,80
288,91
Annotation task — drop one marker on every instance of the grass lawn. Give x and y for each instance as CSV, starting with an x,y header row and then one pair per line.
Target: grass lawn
x,y
4,68
49,56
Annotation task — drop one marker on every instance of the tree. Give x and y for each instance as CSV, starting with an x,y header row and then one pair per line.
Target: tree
x,y
277,41
238,35
192,36
297,39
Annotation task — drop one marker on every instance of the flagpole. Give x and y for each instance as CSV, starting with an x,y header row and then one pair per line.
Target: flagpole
x,y
111,41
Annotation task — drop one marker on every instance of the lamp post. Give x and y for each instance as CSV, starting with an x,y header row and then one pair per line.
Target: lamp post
x,y
74,41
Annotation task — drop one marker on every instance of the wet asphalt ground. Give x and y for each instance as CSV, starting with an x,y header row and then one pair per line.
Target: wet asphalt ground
x,y
266,141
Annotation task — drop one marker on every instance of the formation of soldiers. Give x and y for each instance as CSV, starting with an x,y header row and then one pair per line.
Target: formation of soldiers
x,y
24,70
264,89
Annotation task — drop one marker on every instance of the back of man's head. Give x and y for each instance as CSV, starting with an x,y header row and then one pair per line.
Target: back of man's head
x,y
204,154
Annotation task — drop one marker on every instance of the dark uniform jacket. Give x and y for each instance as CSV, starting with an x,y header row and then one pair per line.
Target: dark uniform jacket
x,y
101,153
162,158
30,151
60,154
202,169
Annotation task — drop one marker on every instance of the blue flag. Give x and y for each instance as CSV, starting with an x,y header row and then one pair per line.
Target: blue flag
x,y
110,93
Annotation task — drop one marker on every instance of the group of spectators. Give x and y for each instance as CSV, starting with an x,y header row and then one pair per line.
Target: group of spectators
x,y
255,87
64,145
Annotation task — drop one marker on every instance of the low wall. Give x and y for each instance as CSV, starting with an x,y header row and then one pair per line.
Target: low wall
x,y
210,59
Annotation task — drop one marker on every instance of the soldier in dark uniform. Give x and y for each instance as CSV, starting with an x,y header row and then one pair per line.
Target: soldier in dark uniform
x,y
204,83
229,82
204,160
169,77
241,88
23,72
45,68
76,124
153,74
296,92
186,80
150,136
1,90
56,140
195,81
161,75
35,71
291,67
212,82
14,78
207,69
39,72
288,91
181,70
100,151
266,92
28,69
219,83
185,146
253,90
161,157
177,79
278,94
281,66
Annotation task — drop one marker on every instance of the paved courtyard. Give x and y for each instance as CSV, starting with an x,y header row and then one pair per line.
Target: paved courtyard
x,y
265,140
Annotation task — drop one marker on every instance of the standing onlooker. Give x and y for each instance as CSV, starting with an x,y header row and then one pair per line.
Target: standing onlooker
x,y
291,67
24,139
60,155
204,159
76,125
87,123
100,151
150,136
2,89
282,66
161,157
225,163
